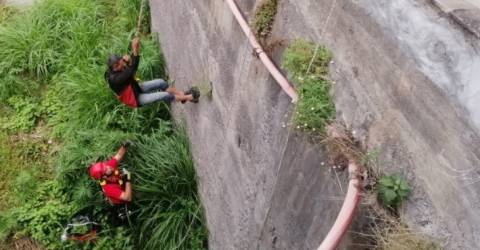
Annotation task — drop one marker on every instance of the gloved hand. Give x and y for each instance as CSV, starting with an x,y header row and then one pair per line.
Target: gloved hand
x,y
126,174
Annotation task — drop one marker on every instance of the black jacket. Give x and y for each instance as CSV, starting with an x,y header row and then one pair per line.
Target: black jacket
x,y
119,80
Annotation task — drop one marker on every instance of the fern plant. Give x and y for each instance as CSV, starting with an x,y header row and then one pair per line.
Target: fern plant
x,y
393,190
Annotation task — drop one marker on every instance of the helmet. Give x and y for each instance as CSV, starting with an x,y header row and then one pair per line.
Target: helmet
x,y
97,170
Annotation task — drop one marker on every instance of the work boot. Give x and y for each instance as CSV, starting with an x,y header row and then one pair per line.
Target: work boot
x,y
195,93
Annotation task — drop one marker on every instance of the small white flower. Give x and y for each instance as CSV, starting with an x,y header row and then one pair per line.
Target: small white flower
x,y
312,108
298,126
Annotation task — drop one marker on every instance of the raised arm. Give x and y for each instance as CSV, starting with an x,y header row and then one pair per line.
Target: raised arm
x,y
120,154
127,194
136,46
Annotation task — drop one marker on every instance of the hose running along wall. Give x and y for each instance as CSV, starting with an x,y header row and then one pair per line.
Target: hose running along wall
x,y
352,199
281,80
345,217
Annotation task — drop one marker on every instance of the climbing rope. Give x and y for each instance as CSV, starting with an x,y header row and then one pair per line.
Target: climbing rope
x,y
321,34
140,18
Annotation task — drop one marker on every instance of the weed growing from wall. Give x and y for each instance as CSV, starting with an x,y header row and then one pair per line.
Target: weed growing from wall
x,y
315,107
393,190
264,18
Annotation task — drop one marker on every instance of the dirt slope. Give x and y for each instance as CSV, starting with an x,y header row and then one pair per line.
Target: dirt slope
x,y
405,83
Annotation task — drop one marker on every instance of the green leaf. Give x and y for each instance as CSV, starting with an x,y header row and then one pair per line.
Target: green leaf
x,y
389,195
403,193
404,185
386,181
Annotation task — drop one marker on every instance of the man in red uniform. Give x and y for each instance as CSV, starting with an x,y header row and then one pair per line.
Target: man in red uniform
x,y
121,78
115,183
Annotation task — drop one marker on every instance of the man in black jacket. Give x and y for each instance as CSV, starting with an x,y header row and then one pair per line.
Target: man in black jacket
x,y
121,78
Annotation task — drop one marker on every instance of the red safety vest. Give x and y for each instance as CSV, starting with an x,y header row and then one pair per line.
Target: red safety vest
x,y
128,97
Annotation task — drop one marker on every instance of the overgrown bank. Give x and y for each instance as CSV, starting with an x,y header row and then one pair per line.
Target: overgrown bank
x,y
58,116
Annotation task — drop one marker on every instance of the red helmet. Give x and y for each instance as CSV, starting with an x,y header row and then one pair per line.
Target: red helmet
x,y
97,170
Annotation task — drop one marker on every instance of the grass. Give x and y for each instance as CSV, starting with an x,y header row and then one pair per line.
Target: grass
x,y
264,18
168,212
400,237
315,107
386,231
52,87
9,164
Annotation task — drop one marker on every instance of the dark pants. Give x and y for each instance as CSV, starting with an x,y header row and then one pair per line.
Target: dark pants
x,y
119,214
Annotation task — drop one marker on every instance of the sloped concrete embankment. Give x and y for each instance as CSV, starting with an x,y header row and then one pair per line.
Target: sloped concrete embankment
x,y
405,83
240,138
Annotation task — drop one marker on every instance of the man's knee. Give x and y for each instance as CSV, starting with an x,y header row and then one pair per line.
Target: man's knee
x,y
169,97
163,85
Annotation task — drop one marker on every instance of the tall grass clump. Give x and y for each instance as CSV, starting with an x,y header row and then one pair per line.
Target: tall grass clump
x,y
168,214
315,107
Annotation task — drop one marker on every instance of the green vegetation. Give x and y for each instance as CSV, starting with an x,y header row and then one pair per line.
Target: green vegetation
x,y
264,17
315,107
26,114
58,116
167,204
392,190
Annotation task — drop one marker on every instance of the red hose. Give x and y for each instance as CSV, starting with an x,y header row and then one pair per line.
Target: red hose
x,y
352,198
345,217
282,81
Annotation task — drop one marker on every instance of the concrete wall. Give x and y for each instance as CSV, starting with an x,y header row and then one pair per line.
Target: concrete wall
x,y
405,82
250,167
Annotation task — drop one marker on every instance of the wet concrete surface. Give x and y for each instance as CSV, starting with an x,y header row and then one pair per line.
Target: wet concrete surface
x,y
405,81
